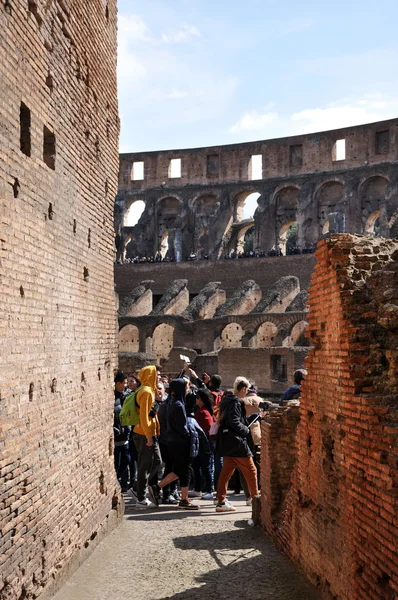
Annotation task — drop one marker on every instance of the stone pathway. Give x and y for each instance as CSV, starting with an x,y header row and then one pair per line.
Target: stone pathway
x,y
172,554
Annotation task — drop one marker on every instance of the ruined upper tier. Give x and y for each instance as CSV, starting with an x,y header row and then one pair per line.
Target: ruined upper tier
x,y
344,180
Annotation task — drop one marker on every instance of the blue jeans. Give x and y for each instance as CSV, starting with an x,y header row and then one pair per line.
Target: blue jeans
x,y
202,468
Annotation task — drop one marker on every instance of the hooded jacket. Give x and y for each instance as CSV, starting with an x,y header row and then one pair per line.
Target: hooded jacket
x,y
177,428
148,426
232,438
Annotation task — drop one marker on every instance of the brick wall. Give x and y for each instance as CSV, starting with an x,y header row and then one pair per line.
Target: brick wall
x,y
336,516
233,160
58,164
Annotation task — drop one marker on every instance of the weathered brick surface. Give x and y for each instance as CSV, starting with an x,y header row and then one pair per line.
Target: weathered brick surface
x,y
58,322
330,483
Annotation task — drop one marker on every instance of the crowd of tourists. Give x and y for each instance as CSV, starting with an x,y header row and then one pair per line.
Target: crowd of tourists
x,y
158,258
191,438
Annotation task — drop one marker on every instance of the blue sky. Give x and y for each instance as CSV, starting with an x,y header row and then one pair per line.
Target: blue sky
x,y
200,73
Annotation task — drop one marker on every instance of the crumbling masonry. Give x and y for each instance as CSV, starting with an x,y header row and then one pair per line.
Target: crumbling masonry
x,y
329,467
58,163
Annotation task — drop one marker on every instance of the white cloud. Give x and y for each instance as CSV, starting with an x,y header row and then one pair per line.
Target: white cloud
x,y
161,86
183,35
253,121
346,113
132,28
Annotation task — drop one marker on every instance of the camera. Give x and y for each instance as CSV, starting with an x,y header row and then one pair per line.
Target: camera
x,y
264,405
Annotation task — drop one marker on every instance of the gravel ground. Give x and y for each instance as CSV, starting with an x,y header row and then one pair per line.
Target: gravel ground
x,y
171,554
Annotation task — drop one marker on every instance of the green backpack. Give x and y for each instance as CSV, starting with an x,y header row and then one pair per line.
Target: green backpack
x,y
128,414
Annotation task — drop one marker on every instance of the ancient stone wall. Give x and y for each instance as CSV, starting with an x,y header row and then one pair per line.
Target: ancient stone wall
x,y
265,343
330,475
230,273
337,181
58,164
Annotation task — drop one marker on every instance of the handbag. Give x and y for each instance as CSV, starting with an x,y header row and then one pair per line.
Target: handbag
x,y
214,427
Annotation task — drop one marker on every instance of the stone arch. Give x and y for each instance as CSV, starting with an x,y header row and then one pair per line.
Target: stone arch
x,y
168,210
328,197
240,241
372,225
248,198
129,339
373,194
265,335
285,201
163,340
288,235
231,336
164,244
296,336
204,204
133,212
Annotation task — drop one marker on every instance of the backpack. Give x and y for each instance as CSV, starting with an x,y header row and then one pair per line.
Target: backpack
x,y
128,414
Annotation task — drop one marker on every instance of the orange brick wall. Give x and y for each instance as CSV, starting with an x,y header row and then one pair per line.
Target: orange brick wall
x,y
58,318
336,513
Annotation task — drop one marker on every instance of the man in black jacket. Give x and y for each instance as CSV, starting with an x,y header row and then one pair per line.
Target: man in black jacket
x,y
232,443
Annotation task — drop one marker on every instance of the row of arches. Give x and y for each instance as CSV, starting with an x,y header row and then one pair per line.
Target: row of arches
x,y
267,335
285,219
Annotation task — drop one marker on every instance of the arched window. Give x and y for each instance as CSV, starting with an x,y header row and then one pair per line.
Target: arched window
x,y
246,206
164,244
328,198
242,240
288,237
231,336
373,195
372,225
296,337
129,339
134,212
265,336
163,340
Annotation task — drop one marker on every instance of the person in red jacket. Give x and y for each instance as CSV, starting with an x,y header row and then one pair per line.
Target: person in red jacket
x,y
203,464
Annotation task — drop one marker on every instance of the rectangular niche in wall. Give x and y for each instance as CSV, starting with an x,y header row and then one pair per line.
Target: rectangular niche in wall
x,y
339,151
24,122
213,165
278,368
296,156
175,168
383,142
137,172
49,148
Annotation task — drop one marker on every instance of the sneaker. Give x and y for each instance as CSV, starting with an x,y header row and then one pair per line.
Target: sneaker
x,y
145,503
194,494
132,494
208,496
187,504
154,494
170,500
249,501
225,507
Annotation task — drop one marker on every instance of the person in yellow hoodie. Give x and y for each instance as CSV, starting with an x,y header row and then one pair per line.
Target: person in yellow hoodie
x,y
145,434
